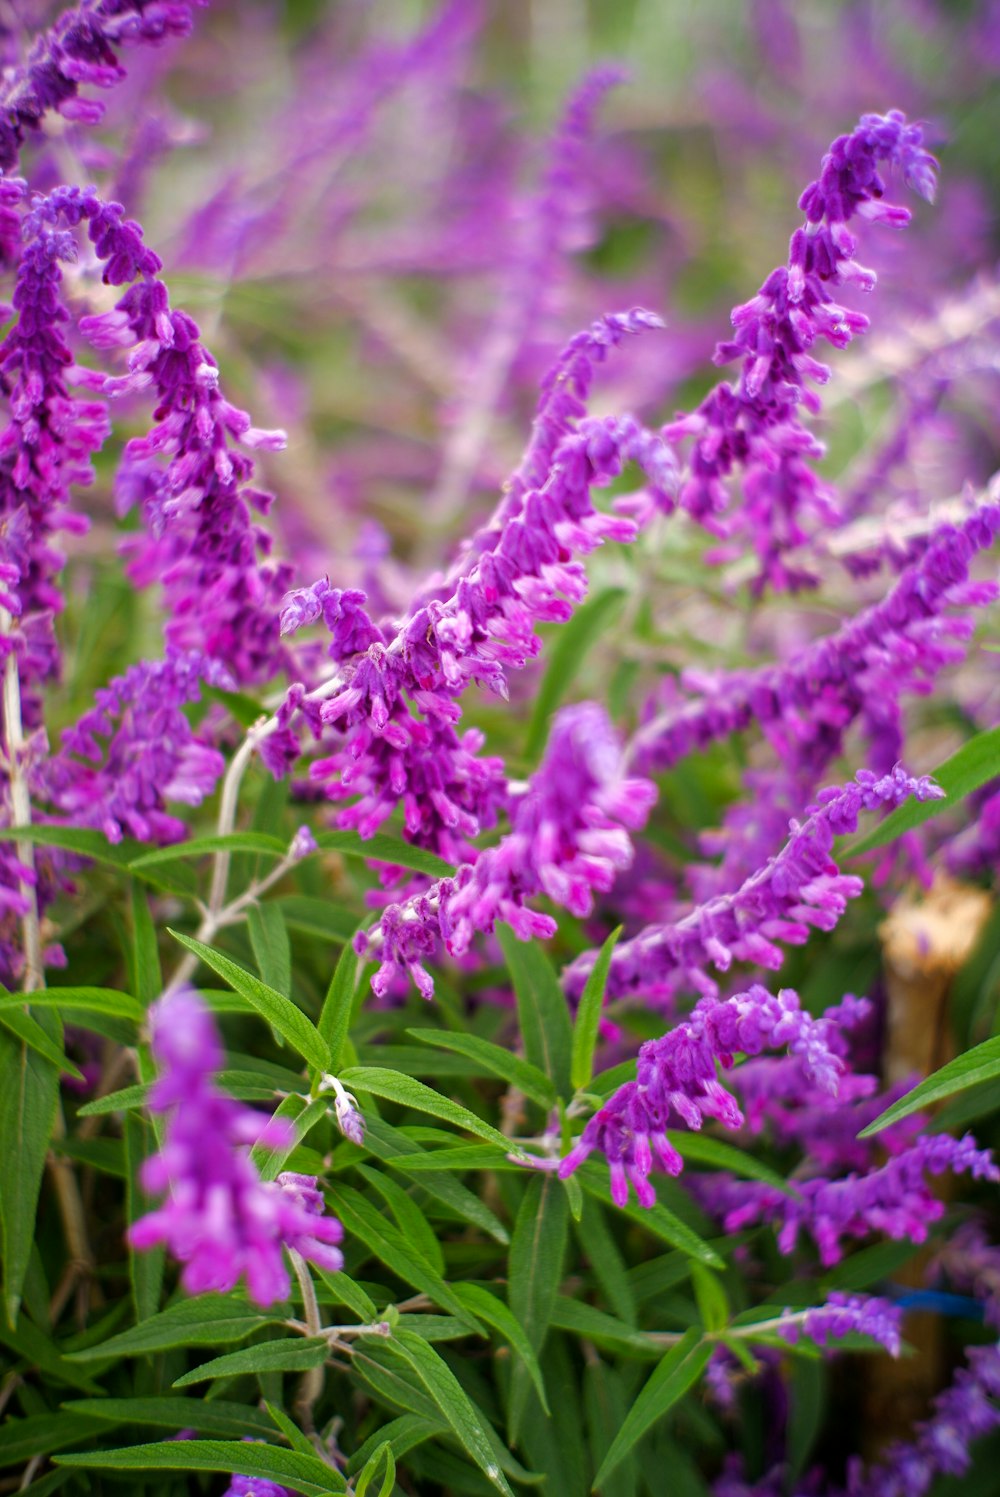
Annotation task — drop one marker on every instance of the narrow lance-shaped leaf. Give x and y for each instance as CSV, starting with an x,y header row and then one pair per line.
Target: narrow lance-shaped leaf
x,y
29,1095
271,947
981,1063
588,1015
456,1406
680,1368
520,1073
280,1012
290,1354
306,1474
395,1087
145,1268
535,1264
335,1015
541,1008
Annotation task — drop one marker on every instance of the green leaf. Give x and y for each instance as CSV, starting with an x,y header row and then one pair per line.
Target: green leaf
x,y
401,1434
307,1474
981,1063
408,1092
541,1007
385,849
335,1015
362,1220
145,1268
409,1218
303,1117
493,1312
588,1015
701,1149
391,1145
290,1354
606,1264
383,1458
41,1434
317,917
585,1321
534,1271
567,654
459,1412
260,843
279,1011
212,1416
243,708
344,1291
606,1406
710,1297
80,1000
500,1062
271,947
96,847
973,765
28,1030
680,1368
296,1439
125,1100
32,1344
208,1320
29,1097
656,1219
465,1157
146,975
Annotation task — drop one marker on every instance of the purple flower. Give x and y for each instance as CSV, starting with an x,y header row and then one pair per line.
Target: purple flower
x,y
754,425
806,703
219,1218
894,1198
480,620
798,889
135,750
847,1315
569,838
676,1077
45,449
79,50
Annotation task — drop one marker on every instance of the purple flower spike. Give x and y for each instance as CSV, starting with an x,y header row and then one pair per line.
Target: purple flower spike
x,y
676,1080
754,424
149,755
799,889
848,1315
220,1219
79,49
569,838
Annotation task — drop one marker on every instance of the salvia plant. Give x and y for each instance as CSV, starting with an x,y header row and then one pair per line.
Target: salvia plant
x,y
496,884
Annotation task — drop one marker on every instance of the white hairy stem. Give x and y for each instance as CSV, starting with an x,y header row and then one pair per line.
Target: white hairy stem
x,y
20,805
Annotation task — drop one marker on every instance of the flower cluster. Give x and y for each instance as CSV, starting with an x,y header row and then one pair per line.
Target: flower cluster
x,y
479,621
569,836
677,1075
754,425
150,754
846,1315
79,50
806,703
220,1219
799,889
894,1198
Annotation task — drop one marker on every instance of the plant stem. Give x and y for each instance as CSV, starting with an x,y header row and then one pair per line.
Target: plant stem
x,y
20,805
